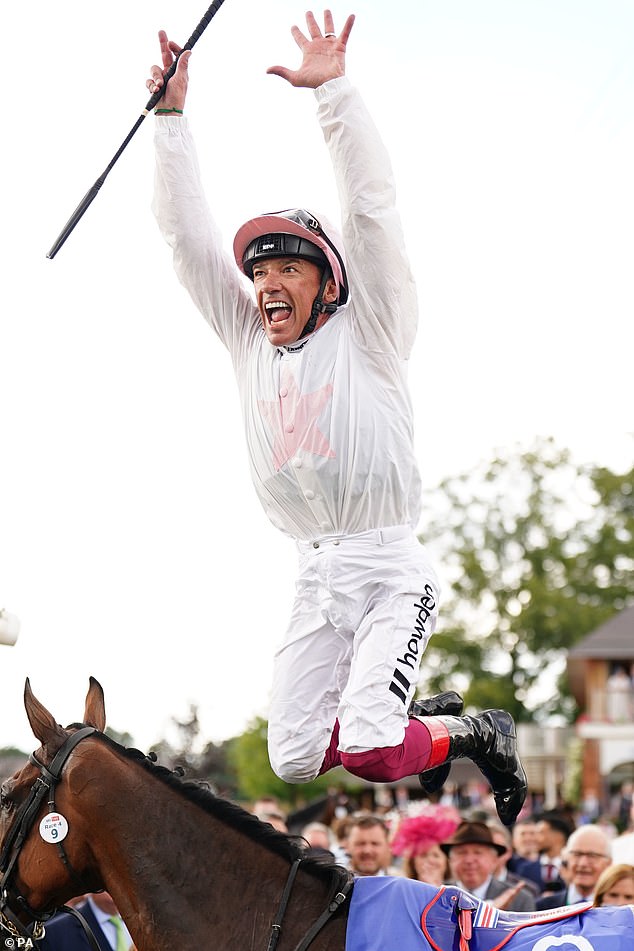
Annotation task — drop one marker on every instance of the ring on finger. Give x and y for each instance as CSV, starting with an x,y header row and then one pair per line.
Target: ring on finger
x,y
330,34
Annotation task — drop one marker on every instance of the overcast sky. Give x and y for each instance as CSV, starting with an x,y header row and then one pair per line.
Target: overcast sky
x,y
131,543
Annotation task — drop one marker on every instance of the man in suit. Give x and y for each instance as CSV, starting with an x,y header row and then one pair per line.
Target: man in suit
x,y
553,830
585,856
65,933
473,854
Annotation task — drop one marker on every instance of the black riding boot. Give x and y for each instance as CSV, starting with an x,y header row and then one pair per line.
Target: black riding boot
x,y
488,740
448,704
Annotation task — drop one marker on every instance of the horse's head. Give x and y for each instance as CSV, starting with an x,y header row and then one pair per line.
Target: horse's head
x,y
44,849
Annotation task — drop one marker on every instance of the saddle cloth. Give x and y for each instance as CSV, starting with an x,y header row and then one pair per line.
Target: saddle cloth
x,y
399,914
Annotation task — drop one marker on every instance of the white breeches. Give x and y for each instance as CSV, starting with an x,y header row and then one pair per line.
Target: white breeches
x,y
365,608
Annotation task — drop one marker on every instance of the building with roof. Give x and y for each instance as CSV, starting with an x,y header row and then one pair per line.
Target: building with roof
x,y
600,673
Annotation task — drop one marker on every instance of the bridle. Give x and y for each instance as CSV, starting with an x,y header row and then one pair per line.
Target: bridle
x,y
333,906
44,786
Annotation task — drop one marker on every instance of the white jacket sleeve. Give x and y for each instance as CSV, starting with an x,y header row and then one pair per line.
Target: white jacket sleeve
x,y
208,273
382,289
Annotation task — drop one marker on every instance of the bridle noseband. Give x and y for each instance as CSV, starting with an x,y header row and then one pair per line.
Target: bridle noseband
x,y
43,786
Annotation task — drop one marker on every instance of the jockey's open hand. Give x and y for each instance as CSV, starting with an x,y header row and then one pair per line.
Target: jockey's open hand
x,y
323,54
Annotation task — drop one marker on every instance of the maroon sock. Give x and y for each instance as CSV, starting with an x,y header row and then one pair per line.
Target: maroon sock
x,y
333,756
389,763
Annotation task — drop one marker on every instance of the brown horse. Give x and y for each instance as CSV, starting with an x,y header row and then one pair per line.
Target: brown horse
x,y
186,869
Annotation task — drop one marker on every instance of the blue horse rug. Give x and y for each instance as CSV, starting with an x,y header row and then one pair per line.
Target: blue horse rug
x,y
399,914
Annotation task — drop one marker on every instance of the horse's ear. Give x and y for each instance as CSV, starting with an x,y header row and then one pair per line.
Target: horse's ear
x,y
95,712
42,723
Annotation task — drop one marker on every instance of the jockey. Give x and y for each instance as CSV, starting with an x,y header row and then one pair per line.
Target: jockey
x,y
321,363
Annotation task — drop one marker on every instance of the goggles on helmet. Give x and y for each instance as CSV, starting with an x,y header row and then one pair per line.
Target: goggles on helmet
x,y
293,232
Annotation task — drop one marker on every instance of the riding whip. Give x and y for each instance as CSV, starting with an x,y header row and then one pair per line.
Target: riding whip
x,y
92,191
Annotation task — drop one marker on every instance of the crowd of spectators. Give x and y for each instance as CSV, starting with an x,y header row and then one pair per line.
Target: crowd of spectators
x,y
548,859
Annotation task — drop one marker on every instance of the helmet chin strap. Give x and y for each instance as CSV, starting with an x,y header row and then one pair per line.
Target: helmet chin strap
x,y
319,307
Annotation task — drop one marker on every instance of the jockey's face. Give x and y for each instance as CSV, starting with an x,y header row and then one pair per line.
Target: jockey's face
x,y
293,284
471,864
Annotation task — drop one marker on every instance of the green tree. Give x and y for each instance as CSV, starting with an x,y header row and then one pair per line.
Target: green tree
x,y
534,552
607,562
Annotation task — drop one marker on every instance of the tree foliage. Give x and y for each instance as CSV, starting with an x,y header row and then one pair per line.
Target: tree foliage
x,y
534,552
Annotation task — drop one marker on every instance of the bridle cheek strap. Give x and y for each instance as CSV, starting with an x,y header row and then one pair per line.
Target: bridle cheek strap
x,y
44,785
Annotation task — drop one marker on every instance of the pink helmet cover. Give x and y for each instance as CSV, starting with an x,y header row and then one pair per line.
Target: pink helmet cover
x,y
279,224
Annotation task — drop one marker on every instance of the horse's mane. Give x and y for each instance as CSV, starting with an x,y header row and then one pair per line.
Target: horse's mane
x,y
287,846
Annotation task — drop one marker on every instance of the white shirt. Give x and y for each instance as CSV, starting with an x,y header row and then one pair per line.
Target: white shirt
x,y
328,422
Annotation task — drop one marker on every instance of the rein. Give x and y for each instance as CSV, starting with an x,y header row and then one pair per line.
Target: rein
x,y
43,786
326,915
